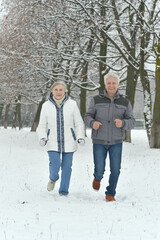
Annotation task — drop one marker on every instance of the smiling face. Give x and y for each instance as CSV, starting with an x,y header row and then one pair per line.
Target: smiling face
x,y
58,91
111,86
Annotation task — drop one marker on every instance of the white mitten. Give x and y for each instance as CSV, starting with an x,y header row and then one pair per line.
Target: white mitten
x,y
81,141
43,142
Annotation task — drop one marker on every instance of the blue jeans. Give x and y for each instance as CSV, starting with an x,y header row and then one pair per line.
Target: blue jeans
x,y
115,154
55,163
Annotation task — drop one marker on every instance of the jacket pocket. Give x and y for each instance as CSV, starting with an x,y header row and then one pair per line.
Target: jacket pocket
x,y
73,134
117,133
102,132
48,132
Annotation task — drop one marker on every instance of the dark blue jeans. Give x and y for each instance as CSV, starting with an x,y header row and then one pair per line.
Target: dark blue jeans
x,y
115,155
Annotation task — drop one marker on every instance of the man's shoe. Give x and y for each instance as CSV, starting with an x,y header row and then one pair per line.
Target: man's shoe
x,y
110,198
96,184
51,185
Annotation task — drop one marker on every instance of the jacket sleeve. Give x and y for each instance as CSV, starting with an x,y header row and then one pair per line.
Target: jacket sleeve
x,y
90,114
129,120
42,126
78,122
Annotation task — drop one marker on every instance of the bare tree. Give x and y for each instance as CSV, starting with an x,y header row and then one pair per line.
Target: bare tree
x,y
155,131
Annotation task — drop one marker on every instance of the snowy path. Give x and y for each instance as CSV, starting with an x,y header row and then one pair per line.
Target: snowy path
x,y
29,212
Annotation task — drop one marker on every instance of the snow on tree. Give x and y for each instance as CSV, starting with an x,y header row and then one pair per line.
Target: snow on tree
x,y
77,41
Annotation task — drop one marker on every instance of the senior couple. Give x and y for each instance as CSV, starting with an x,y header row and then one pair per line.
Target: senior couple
x,y
61,128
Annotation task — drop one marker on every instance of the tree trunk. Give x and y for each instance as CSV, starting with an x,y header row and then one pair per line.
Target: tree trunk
x,y
14,119
102,64
37,116
145,81
130,93
127,136
83,92
103,52
147,101
1,110
155,131
6,116
17,114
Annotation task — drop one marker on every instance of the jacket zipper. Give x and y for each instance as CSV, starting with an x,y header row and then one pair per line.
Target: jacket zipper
x,y
109,111
60,130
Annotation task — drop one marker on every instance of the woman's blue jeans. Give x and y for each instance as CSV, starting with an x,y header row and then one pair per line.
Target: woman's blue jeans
x,y
59,160
115,155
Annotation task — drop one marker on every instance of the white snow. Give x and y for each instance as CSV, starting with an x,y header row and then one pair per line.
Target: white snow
x,y
29,212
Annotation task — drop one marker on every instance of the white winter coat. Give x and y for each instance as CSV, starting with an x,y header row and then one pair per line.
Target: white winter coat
x,y
62,127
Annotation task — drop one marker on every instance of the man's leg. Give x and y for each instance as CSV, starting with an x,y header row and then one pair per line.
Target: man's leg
x,y
115,154
99,154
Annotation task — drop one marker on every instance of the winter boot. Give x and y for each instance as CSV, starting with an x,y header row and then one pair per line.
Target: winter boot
x,y
110,198
96,184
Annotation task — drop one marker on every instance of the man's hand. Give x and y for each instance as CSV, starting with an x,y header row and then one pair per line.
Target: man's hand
x,y
96,125
118,123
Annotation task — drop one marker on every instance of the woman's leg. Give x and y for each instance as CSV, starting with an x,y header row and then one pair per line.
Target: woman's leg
x,y
54,165
66,167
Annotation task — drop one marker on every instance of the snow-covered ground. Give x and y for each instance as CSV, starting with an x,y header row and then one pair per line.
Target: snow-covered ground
x,y
29,212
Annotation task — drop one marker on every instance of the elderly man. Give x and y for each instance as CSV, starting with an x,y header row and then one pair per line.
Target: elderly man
x,y
109,115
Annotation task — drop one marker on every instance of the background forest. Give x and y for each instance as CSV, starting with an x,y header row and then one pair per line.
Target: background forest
x,y
78,41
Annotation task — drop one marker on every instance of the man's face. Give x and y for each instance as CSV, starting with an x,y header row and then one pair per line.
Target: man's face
x,y
111,86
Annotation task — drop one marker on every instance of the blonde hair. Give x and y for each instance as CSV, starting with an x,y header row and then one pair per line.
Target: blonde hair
x,y
111,75
59,83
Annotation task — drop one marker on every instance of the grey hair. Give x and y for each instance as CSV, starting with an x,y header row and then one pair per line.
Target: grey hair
x,y
59,83
111,75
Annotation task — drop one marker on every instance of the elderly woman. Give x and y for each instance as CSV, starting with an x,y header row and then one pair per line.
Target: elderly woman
x,y
60,128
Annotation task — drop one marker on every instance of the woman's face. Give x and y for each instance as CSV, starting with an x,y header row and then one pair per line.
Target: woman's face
x,y
58,92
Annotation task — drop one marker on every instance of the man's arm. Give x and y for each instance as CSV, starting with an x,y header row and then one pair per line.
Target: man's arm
x,y
90,114
129,121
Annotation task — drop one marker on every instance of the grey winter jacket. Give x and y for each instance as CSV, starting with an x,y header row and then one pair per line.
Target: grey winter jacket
x,y
106,110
